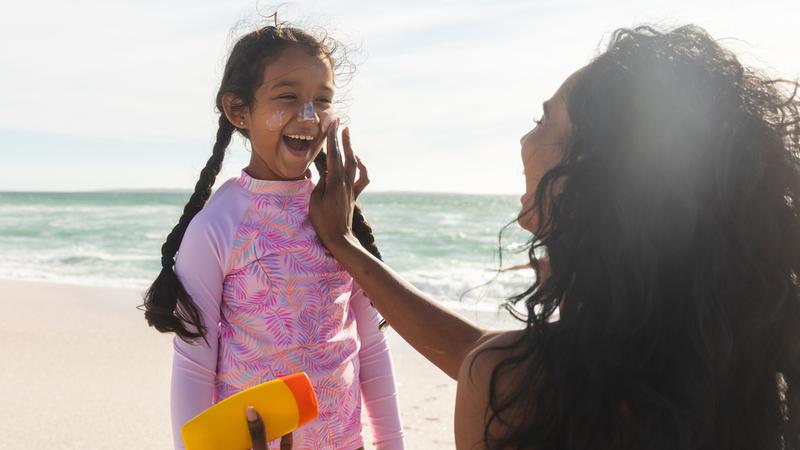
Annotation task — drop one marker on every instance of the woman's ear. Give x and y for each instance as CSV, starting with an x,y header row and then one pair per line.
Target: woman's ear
x,y
235,111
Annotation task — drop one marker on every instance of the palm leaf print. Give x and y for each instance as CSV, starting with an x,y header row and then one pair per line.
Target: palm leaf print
x,y
285,309
307,324
328,392
280,325
244,348
237,288
348,405
297,264
261,202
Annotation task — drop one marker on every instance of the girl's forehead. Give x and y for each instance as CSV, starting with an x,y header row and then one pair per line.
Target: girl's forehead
x,y
297,65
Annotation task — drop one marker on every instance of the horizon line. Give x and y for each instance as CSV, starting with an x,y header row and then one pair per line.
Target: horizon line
x,y
189,191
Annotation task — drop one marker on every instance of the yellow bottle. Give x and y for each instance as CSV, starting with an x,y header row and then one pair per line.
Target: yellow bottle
x,y
284,404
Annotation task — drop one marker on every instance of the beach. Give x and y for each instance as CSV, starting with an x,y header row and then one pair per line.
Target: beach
x,y
81,370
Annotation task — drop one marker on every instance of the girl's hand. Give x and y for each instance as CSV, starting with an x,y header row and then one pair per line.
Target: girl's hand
x,y
334,197
258,432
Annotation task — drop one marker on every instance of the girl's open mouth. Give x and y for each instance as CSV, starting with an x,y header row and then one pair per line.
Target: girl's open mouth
x,y
298,143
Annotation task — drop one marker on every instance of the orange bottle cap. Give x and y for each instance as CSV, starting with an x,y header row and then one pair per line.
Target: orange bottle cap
x,y
307,406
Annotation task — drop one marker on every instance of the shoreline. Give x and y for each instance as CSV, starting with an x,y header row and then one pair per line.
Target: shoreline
x,y
476,310
82,370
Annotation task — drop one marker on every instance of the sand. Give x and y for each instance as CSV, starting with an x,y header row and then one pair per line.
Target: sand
x,y
81,370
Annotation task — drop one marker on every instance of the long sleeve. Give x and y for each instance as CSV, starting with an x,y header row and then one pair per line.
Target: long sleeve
x,y
376,376
200,266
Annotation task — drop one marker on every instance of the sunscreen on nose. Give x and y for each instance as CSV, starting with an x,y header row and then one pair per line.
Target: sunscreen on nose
x,y
284,405
308,112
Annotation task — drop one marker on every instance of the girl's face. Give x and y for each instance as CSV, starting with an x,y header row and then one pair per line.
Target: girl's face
x,y
290,113
543,148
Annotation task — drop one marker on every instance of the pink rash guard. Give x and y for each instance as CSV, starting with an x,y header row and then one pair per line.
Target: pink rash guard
x,y
275,302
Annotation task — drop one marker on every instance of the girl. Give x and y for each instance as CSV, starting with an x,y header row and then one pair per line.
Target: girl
x,y
253,295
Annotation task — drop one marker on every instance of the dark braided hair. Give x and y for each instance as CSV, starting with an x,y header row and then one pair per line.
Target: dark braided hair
x,y
167,305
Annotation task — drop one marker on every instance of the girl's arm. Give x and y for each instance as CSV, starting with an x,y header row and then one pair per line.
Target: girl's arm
x,y
199,266
376,376
439,334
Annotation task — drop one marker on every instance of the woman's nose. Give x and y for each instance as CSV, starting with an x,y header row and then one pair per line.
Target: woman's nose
x,y
522,141
524,136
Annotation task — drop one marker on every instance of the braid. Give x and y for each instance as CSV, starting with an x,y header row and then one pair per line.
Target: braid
x,y
363,231
168,307
202,189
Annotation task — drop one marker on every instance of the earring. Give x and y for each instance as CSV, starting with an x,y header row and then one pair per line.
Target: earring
x,y
241,123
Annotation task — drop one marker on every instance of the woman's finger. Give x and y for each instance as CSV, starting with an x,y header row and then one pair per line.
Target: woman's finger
x,y
335,169
350,162
363,177
319,189
258,433
287,442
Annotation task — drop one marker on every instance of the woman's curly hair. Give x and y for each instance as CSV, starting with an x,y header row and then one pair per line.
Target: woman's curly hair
x,y
673,232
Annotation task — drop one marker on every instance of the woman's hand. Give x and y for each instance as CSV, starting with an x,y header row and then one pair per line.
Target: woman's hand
x,y
335,195
258,432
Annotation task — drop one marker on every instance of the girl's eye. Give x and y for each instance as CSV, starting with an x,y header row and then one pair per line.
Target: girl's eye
x,y
324,100
287,97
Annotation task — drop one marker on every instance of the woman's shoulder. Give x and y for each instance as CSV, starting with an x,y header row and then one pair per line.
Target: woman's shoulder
x,y
474,379
496,347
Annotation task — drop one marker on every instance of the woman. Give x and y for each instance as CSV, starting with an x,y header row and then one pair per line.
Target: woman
x,y
663,183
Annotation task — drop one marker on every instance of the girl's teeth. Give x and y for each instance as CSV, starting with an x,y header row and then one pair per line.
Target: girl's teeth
x,y
304,138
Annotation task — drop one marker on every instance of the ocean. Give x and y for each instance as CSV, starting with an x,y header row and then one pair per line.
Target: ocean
x,y
445,244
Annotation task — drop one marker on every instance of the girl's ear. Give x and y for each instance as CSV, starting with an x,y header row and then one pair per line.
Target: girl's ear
x,y
235,111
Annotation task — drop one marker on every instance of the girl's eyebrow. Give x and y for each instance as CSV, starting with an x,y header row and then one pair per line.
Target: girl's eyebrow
x,y
292,83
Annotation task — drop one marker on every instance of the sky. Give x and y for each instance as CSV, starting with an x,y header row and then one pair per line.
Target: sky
x,y
107,95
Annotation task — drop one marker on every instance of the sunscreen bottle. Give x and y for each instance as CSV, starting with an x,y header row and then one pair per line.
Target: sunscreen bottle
x,y
284,405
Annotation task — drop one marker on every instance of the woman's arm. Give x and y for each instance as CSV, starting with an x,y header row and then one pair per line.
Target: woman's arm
x,y
437,333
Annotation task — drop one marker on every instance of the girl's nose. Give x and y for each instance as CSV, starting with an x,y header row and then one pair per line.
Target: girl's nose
x,y
308,113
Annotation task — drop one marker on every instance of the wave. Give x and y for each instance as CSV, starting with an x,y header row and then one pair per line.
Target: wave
x,y
446,245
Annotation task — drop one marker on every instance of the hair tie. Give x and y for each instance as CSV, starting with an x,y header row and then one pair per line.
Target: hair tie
x,y
167,261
